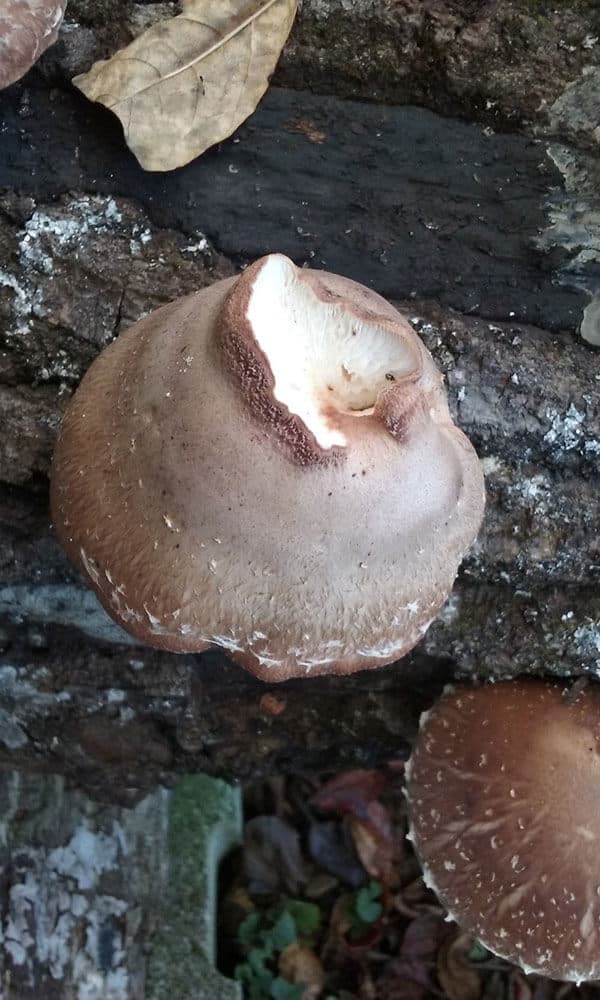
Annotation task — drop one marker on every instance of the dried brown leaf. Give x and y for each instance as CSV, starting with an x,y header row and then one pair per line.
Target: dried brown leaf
x,y
299,964
457,976
374,842
190,81
27,28
351,792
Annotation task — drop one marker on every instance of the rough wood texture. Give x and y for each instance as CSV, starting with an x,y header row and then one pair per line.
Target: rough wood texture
x,y
401,199
504,64
112,903
477,236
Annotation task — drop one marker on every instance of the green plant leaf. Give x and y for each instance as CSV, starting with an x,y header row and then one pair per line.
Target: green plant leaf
x,y
478,953
281,989
256,985
257,958
284,931
367,907
306,915
248,930
242,972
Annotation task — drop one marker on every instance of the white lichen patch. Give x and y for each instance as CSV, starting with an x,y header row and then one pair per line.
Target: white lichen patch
x,y
451,609
56,231
143,16
324,9
199,245
12,734
590,322
18,689
574,210
567,432
587,639
66,224
575,221
73,908
535,493
26,303
566,429
54,893
493,466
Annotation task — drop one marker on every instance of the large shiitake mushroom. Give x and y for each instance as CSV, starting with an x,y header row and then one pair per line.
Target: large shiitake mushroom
x,y
269,465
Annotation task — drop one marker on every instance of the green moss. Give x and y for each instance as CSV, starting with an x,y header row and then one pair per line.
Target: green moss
x,y
204,823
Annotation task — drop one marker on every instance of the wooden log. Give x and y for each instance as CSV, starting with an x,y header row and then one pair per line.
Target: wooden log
x,y
113,903
472,234
405,201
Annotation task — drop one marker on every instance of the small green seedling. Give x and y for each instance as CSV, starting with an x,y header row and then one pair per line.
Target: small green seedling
x,y
366,909
478,953
262,938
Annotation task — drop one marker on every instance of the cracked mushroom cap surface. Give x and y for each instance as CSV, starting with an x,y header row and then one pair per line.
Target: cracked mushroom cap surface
x,y
504,800
27,29
269,465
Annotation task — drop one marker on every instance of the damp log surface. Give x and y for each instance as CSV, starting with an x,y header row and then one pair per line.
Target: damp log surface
x,y
480,223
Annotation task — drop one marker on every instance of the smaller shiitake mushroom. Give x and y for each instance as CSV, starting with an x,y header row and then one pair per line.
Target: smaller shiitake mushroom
x,y
504,799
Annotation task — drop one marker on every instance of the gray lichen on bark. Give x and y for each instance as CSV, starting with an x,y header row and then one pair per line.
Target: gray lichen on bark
x,y
109,903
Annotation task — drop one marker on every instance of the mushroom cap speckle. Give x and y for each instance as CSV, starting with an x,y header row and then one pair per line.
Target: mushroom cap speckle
x,y
27,28
503,791
269,465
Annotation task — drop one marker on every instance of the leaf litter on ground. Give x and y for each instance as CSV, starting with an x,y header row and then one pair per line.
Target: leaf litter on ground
x,y
343,912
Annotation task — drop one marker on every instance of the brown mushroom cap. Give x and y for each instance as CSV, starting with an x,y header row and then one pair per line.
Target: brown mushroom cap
x,y
27,28
504,798
269,465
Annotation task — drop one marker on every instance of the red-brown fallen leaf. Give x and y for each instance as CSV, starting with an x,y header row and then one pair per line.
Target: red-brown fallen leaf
x,y
350,793
271,704
519,988
411,976
340,922
457,976
27,28
374,842
340,936
397,765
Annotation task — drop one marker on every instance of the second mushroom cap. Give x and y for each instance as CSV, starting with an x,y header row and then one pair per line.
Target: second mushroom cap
x,y
503,798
